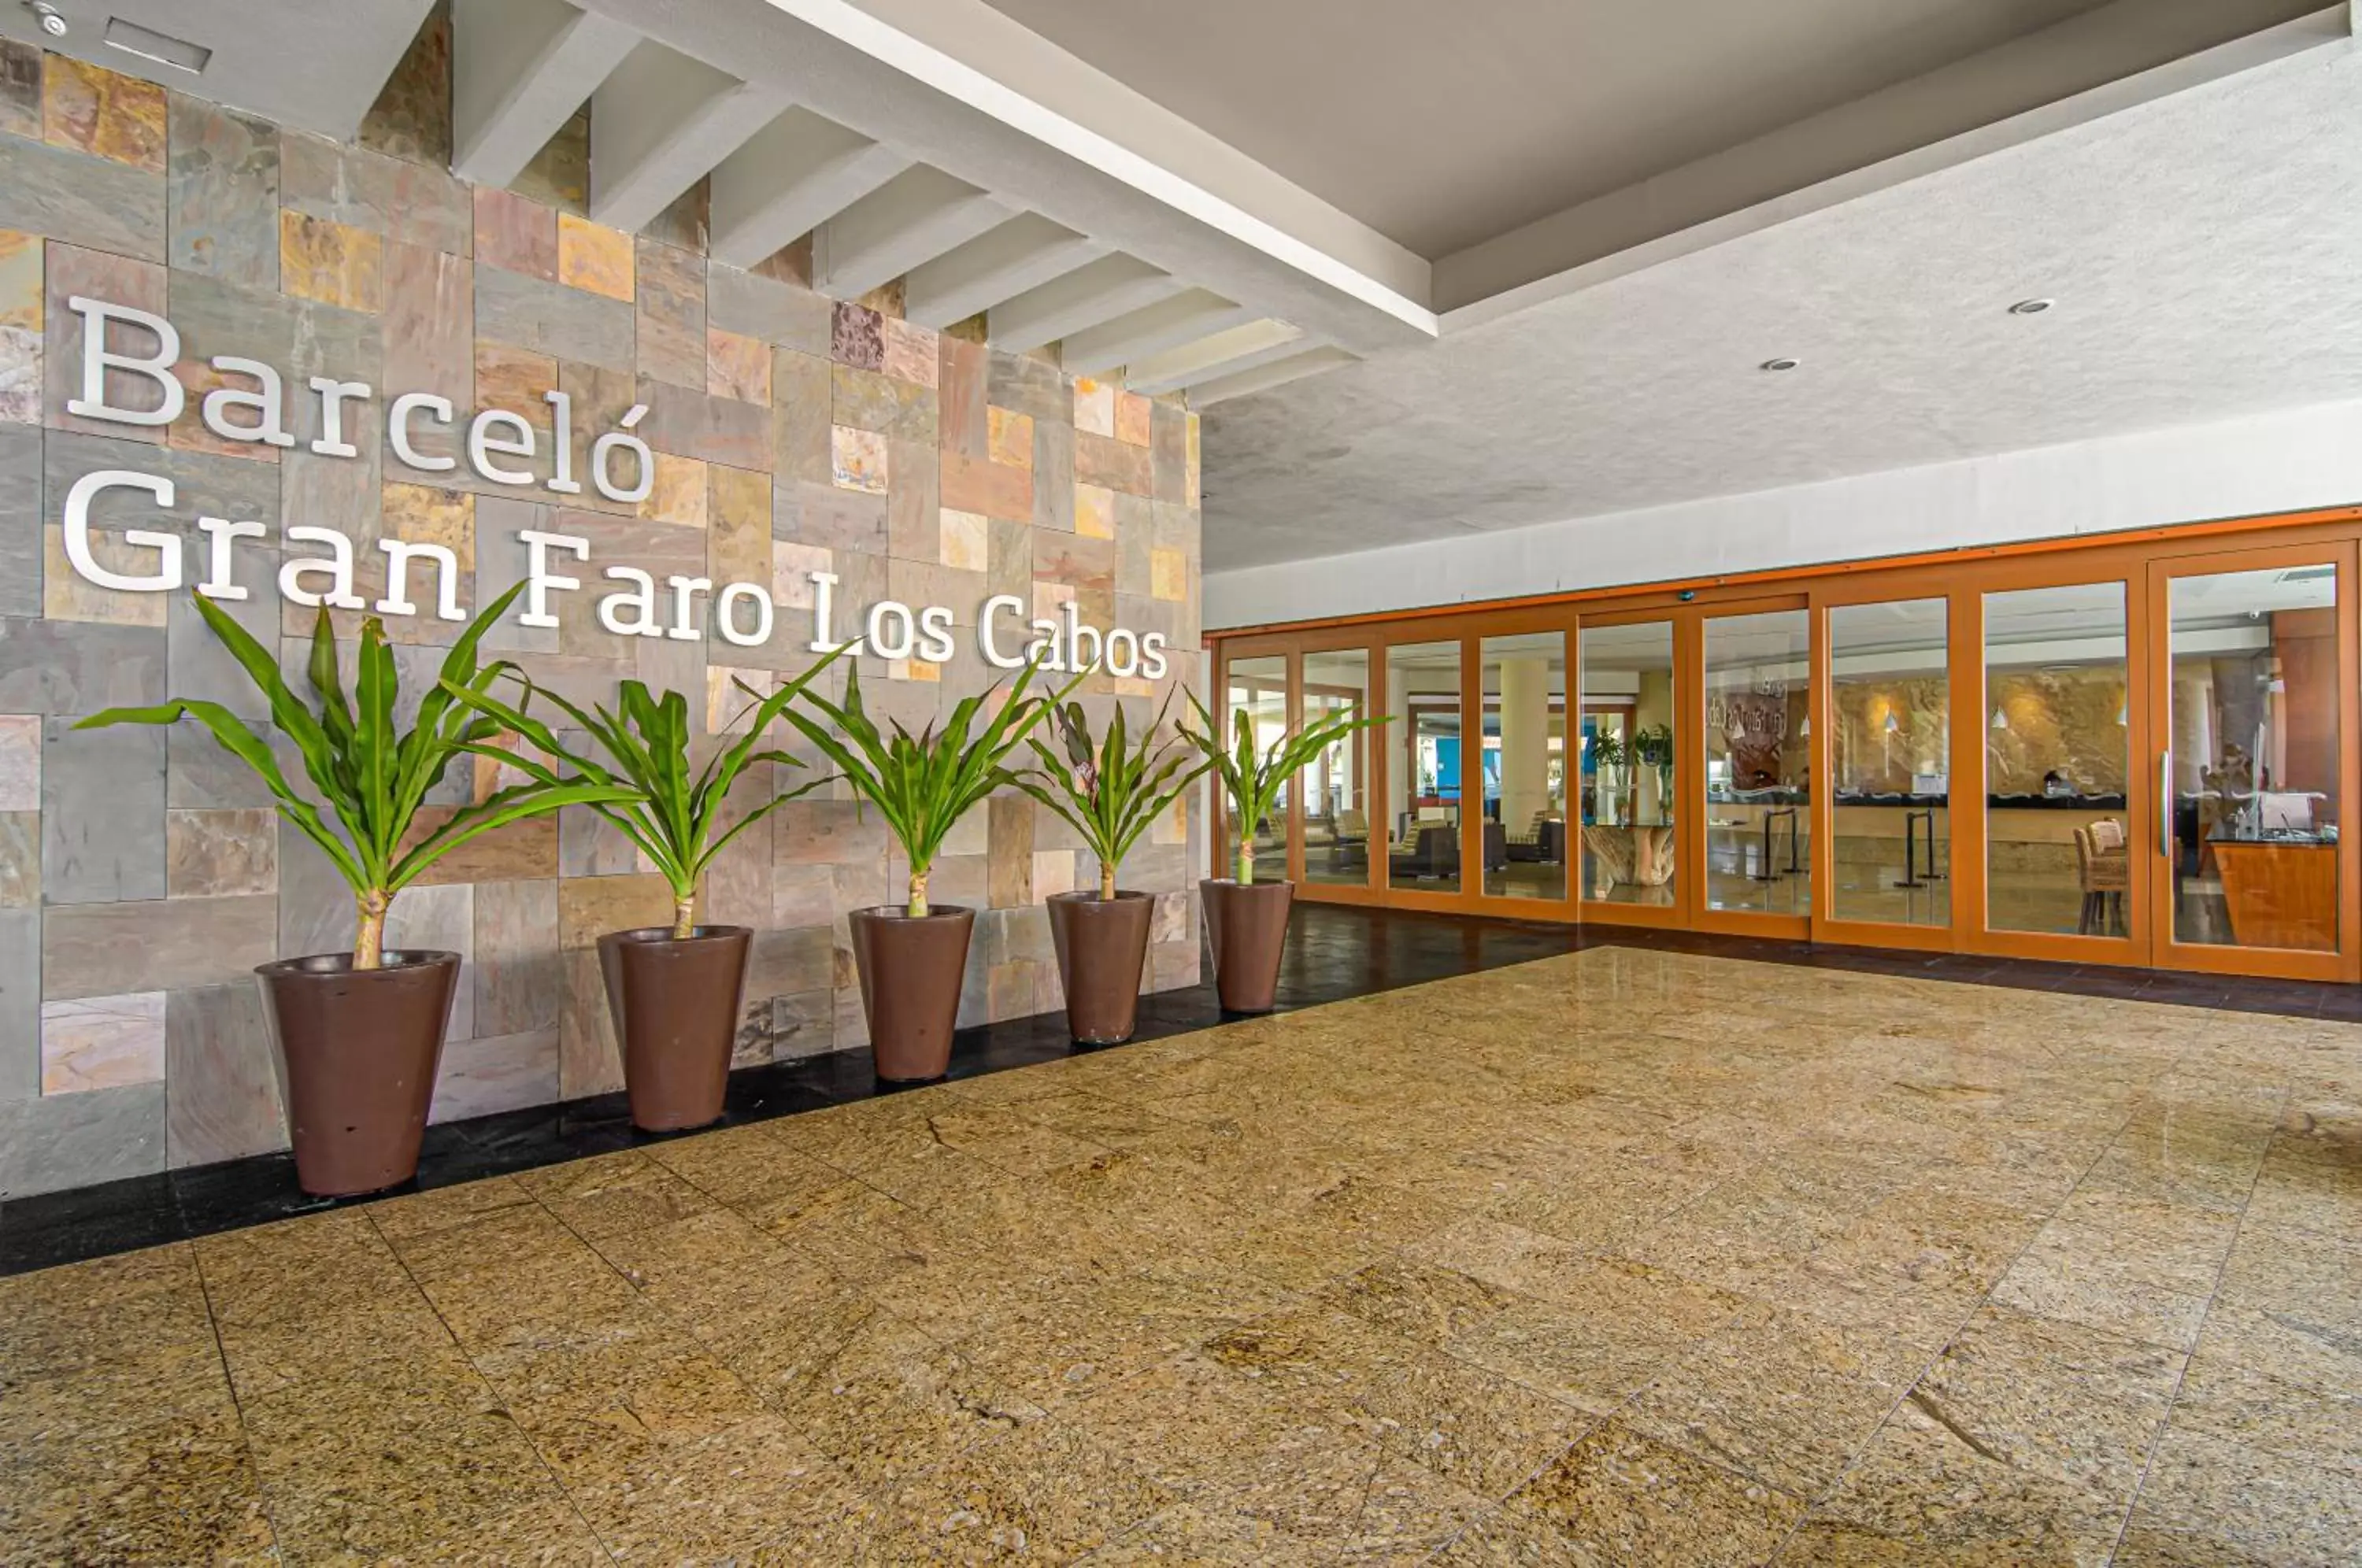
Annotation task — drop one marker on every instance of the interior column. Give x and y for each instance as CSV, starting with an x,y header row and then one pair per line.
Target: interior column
x,y
1525,740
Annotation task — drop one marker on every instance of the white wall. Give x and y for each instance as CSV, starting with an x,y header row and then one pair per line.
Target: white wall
x,y
2285,461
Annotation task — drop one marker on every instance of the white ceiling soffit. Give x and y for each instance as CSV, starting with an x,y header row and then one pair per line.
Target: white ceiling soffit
x,y
316,67
984,153
2100,62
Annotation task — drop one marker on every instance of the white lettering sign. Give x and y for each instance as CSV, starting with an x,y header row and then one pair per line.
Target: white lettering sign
x,y
138,348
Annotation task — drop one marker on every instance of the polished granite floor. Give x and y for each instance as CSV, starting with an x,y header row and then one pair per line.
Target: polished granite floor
x,y
1620,1256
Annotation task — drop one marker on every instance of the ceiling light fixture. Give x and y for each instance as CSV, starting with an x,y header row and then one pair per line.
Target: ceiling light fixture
x,y
1782,363
2031,308
52,22
162,47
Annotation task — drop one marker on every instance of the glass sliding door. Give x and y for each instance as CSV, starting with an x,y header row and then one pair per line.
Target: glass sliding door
x,y
1525,764
2252,756
1621,790
2058,761
1258,688
1890,761
1427,762
1336,783
1759,762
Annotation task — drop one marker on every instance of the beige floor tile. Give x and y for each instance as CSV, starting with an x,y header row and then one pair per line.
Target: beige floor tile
x,y
1043,1492
613,1193
1577,1261
1789,1400
399,1454
181,1490
1618,1496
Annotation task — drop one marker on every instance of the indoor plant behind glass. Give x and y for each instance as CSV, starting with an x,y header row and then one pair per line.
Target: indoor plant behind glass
x,y
359,1034
911,956
1109,793
674,991
1246,921
1652,748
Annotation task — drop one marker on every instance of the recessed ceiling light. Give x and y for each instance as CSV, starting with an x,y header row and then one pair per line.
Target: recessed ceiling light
x,y
1782,363
162,47
2031,308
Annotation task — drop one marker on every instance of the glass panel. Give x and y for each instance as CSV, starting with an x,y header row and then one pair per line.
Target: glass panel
x,y
1525,765
1759,763
1890,754
2057,855
1423,770
1624,774
1259,687
1336,798
2254,703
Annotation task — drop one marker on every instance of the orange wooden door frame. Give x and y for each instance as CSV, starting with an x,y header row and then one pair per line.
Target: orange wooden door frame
x,y
2143,560
2343,961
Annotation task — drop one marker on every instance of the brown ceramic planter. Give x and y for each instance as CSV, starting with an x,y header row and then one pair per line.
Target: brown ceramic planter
x,y
1102,946
910,971
675,1001
1247,928
358,1052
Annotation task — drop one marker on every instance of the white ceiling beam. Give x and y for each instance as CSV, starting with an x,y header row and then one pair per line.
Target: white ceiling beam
x,y
911,219
792,176
520,70
1263,378
1214,356
1023,253
1096,292
661,123
1168,324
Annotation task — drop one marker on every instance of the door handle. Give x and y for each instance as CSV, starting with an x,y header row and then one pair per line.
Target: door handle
x,y
2165,803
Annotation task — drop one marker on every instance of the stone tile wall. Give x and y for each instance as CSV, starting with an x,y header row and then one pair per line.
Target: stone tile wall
x,y
142,874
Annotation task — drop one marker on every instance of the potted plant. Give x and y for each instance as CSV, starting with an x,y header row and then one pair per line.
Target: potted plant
x,y
1246,921
359,1034
911,955
674,991
1612,757
1110,792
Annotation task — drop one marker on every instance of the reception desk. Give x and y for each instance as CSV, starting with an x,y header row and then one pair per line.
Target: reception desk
x,y
2279,892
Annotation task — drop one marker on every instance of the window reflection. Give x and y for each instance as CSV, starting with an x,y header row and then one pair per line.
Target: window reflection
x,y
2057,852
1759,763
1890,755
2255,759
1424,768
1258,688
1336,798
1625,763
1525,765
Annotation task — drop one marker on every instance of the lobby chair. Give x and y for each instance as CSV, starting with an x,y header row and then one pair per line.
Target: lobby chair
x,y
1432,857
2104,868
1536,842
1350,846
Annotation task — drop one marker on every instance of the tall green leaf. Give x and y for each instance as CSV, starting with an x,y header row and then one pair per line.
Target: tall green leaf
x,y
1252,780
371,776
676,819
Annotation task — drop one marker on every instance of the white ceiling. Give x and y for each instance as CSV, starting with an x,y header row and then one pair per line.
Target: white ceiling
x,y
2201,246
1442,126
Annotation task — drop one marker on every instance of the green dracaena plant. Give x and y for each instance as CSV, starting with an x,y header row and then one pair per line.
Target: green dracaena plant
x,y
1251,778
922,784
1111,791
676,816
372,777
